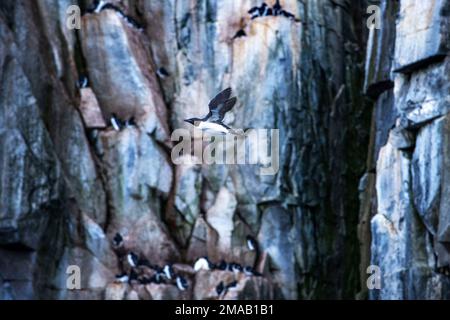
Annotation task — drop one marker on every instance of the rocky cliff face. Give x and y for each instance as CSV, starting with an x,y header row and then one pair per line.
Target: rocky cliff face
x,y
405,188
70,182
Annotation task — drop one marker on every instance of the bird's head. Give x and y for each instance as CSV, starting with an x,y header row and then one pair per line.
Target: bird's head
x,y
193,121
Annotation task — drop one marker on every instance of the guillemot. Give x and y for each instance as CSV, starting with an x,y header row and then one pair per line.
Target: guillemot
x,y
117,240
249,271
132,259
222,265
203,263
239,34
220,288
235,267
252,245
277,8
122,278
96,6
254,12
99,6
133,277
266,10
218,107
181,283
231,285
115,122
168,271
83,82
162,73
286,14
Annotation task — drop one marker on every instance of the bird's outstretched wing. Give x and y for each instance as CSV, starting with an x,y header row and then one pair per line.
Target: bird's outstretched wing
x,y
220,98
220,105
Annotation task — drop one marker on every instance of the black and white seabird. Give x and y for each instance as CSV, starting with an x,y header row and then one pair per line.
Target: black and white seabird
x,y
252,245
162,73
239,34
133,278
231,285
157,278
218,107
122,278
181,283
116,123
144,262
117,240
145,280
130,123
132,259
249,271
83,82
220,288
254,12
96,6
222,265
267,11
203,263
277,8
168,271
99,6
286,14
235,267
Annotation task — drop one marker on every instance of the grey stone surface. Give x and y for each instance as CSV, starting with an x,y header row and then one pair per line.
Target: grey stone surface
x,y
422,34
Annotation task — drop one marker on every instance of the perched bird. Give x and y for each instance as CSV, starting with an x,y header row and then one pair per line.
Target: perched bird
x,y
267,11
252,245
231,285
286,14
133,278
254,12
162,73
83,82
249,271
145,280
222,265
276,8
181,283
144,262
116,123
220,288
235,267
168,271
203,264
240,33
122,278
218,107
132,259
96,6
130,123
117,240
156,278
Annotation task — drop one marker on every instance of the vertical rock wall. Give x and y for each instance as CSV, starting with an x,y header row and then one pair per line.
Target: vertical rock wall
x,y
407,74
69,182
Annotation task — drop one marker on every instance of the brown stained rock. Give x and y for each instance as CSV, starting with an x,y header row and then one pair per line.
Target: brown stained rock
x,y
220,218
197,242
120,73
163,292
207,281
116,291
90,110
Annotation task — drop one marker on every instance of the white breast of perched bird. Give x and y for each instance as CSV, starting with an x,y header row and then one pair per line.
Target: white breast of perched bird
x,y
212,127
201,264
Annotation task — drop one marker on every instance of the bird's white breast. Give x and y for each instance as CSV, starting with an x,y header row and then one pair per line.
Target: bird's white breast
x,y
209,126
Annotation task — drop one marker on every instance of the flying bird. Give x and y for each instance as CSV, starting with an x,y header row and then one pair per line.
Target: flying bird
x,y
218,107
